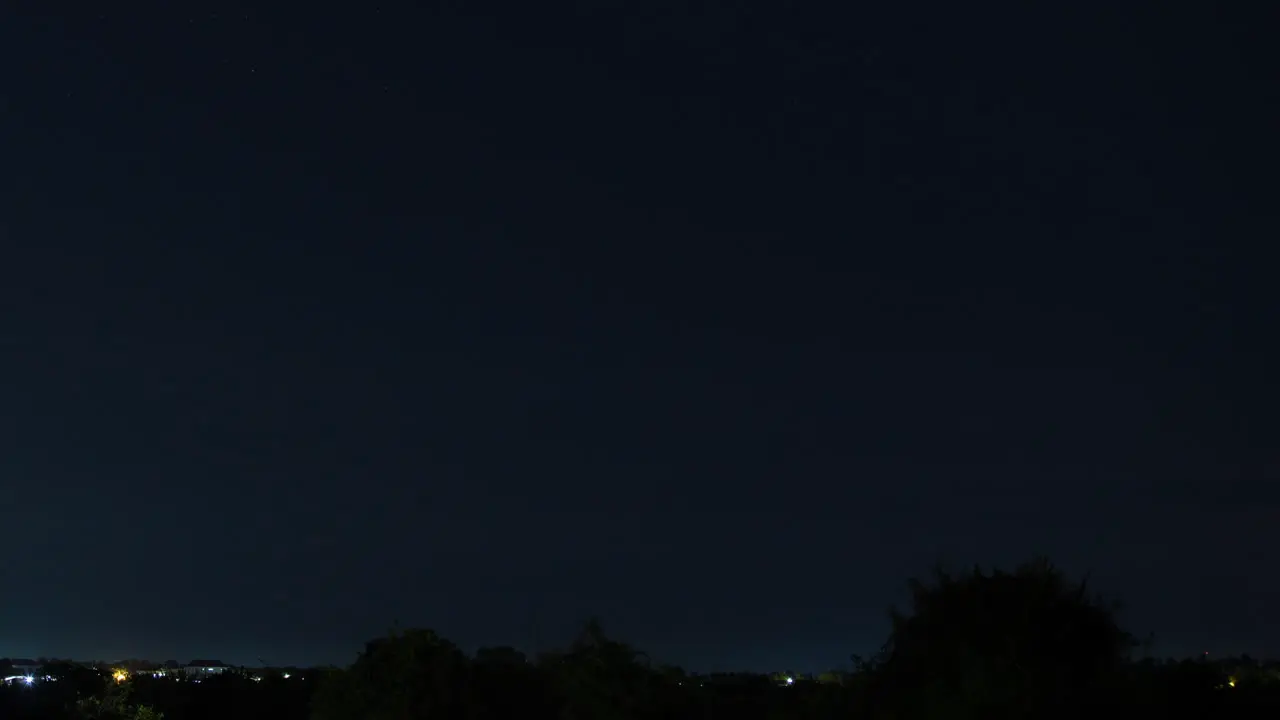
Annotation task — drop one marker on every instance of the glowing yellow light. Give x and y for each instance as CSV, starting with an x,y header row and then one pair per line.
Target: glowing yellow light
x,y
120,676
1231,681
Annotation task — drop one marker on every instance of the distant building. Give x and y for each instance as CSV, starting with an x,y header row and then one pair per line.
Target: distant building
x,y
24,666
205,668
137,667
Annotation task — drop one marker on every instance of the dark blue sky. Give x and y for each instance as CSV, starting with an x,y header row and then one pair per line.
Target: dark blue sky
x,y
717,322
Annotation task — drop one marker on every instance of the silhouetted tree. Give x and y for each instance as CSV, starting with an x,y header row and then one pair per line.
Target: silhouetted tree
x,y
600,679
404,676
112,703
1000,645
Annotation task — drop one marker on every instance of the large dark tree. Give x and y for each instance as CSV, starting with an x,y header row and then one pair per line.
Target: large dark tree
x,y
1021,644
406,676
599,678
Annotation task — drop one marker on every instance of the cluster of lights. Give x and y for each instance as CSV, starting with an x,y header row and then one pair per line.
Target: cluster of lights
x,y
119,675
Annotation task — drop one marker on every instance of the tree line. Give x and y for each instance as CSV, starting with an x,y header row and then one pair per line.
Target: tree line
x,y
1027,643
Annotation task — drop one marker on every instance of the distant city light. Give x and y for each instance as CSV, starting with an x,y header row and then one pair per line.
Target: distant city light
x,y
29,680
120,676
791,681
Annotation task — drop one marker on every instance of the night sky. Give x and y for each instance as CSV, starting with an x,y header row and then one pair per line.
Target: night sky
x,y
716,320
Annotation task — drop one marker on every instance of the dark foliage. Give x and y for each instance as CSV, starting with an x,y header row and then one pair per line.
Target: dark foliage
x,y
1022,644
